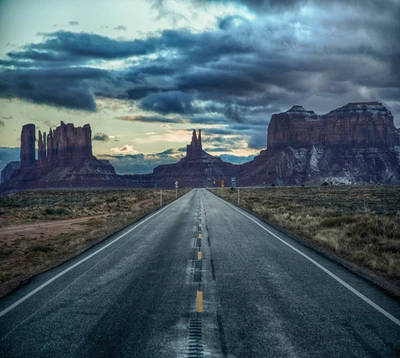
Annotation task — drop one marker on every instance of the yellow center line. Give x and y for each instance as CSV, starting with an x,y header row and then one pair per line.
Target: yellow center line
x,y
199,255
199,301
200,236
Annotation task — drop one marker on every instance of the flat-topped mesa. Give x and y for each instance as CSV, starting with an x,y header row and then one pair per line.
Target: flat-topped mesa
x,y
362,107
195,148
366,124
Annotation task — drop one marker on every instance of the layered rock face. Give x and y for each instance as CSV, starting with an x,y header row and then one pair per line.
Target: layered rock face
x,y
354,125
357,143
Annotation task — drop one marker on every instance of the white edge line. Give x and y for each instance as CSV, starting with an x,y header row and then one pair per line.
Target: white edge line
x,y
359,294
37,289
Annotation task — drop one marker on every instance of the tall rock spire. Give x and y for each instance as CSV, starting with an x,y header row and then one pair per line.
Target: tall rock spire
x,y
28,138
50,147
194,139
199,140
41,148
194,149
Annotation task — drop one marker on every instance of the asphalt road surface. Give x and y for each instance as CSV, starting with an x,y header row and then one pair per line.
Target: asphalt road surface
x,y
199,278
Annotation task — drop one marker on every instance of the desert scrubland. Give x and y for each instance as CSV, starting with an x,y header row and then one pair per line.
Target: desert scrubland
x,y
42,229
358,222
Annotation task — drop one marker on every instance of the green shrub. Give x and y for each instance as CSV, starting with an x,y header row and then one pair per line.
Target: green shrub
x,y
40,248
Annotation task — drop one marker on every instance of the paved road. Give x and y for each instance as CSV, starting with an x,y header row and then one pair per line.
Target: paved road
x,y
199,278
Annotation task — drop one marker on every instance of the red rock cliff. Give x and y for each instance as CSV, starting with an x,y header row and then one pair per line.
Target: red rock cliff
x,y
367,124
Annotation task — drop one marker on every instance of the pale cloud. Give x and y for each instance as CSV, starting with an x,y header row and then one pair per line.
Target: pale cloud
x,y
125,149
178,136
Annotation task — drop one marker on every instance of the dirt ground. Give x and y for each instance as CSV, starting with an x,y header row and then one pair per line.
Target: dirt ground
x,y
35,238
47,229
50,229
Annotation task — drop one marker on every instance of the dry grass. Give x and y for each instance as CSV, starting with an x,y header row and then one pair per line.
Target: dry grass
x,y
42,229
361,223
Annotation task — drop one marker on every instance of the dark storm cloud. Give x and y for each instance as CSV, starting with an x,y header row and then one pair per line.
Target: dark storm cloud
x,y
258,140
74,23
120,28
219,140
239,73
67,87
101,137
219,131
149,119
65,45
208,119
267,5
169,102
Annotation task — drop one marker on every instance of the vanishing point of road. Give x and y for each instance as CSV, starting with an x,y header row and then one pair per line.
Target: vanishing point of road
x,y
199,278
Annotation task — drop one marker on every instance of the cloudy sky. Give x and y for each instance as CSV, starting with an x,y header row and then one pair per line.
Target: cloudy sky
x,y
145,73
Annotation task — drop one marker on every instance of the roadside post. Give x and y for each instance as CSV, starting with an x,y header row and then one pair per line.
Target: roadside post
x,y
160,197
238,196
176,190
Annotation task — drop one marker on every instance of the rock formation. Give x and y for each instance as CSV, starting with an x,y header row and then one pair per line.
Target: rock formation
x,y
65,159
66,145
197,169
355,143
28,139
195,148
354,125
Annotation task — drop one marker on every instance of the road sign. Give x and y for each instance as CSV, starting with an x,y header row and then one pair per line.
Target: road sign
x,y
214,182
233,182
222,183
176,183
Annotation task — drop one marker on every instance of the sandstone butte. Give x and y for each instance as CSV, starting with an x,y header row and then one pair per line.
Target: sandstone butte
x,y
357,143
